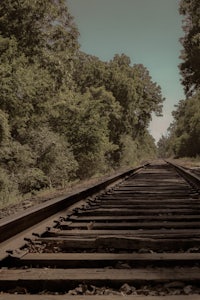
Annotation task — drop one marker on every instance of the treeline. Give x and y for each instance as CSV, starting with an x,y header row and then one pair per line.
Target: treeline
x,y
183,138
65,114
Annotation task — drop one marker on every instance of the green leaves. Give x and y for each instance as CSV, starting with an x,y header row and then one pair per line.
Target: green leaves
x,y
86,121
65,114
38,41
38,24
24,90
190,67
4,128
184,133
131,86
53,156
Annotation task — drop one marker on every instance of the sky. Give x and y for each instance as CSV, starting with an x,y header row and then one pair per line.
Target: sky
x,y
148,31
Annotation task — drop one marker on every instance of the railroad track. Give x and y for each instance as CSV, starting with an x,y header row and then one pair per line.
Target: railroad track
x,y
139,238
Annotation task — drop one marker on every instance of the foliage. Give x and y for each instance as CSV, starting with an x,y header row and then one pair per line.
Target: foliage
x,y
86,121
164,146
137,150
53,156
65,114
187,127
8,188
4,127
42,28
184,132
131,86
31,180
190,67
24,89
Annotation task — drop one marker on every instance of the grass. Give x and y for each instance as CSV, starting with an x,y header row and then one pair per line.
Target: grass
x,y
36,197
189,162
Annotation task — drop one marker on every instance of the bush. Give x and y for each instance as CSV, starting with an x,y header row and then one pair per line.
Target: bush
x,y
8,188
33,179
4,127
53,156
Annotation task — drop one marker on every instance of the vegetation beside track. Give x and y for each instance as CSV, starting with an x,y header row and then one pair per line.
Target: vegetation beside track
x,y
183,138
23,202
65,115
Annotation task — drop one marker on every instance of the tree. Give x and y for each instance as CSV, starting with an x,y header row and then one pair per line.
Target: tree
x,y
65,114
38,43
25,89
136,150
185,130
164,146
45,33
53,156
89,71
4,128
190,67
86,120
132,88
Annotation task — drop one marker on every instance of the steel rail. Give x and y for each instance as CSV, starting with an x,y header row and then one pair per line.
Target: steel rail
x,y
140,235
193,179
13,225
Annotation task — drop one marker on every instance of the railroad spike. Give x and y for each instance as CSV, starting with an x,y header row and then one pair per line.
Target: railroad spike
x,y
28,240
36,234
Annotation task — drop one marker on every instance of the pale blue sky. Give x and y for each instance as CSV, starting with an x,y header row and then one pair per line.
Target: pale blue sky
x,y
148,31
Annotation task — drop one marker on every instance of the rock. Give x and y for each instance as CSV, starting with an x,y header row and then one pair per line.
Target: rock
x,y
121,265
193,250
80,290
153,293
126,289
188,289
174,284
144,250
